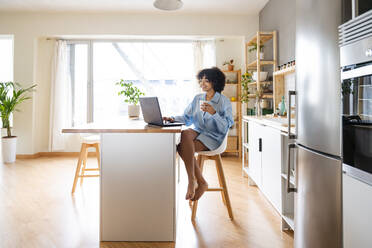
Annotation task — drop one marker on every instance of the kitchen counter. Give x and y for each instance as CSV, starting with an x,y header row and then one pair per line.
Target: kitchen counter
x,y
138,180
278,123
122,125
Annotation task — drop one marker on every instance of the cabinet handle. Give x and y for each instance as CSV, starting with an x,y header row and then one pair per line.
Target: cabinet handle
x,y
290,93
260,145
289,189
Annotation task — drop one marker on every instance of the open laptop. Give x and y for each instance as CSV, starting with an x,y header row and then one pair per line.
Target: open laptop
x,y
152,114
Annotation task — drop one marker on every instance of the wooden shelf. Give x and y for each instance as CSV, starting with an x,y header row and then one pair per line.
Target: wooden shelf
x,y
264,37
262,82
226,71
253,64
285,71
234,141
265,96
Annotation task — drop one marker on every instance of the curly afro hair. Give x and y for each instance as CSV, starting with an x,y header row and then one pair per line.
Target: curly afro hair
x,y
215,76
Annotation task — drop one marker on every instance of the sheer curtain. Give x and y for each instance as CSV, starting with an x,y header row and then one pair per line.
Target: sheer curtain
x,y
60,108
204,53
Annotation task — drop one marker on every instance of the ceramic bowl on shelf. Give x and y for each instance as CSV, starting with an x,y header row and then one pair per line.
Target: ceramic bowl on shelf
x,y
263,75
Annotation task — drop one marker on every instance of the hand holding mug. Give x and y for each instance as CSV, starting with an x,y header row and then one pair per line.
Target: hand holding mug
x,y
206,107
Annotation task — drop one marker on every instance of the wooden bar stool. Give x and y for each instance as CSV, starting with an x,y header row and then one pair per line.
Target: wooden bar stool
x,y
87,141
216,156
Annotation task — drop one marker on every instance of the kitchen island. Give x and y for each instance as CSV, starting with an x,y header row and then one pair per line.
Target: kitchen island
x,y
138,180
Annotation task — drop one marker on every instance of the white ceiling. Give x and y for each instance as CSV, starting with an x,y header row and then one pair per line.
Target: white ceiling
x,y
242,7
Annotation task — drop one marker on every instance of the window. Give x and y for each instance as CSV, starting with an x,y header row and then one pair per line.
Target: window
x,y
6,63
158,68
6,58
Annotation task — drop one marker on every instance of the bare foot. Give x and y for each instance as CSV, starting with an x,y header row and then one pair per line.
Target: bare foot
x,y
190,191
202,187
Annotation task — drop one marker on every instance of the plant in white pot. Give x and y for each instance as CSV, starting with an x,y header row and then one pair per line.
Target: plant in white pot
x,y
11,95
132,95
254,48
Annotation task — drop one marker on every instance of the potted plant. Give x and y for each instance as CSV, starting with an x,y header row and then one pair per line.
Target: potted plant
x,y
11,95
254,48
246,79
230,64
131,94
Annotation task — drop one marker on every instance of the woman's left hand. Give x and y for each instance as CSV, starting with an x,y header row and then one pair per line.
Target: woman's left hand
x,y
206,107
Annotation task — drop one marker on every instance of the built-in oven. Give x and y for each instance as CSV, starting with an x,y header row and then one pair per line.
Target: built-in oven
x,y
354,8
356,91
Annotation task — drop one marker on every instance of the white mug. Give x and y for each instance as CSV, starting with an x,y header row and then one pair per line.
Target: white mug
x,y
201,102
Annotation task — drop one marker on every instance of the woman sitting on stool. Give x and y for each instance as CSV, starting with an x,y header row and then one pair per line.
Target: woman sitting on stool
x,y
211,114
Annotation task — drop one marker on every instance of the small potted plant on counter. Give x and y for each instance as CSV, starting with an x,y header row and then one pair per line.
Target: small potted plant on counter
x,y
254,48
259,96
131,94
11,95
230,64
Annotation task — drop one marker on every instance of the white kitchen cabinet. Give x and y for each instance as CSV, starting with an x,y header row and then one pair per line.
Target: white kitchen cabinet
x,y
267,147
255,169
265,158
357,213
271,158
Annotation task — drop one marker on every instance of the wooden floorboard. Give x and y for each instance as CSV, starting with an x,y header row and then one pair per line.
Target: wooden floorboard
x,y
38,210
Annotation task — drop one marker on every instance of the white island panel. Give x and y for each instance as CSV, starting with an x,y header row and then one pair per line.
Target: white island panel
x,y
138,188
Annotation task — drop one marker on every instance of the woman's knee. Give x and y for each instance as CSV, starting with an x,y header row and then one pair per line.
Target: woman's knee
x,y
187,134
199,146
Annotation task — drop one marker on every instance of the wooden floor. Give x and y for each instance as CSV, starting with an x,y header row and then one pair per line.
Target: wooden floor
x,y
38,210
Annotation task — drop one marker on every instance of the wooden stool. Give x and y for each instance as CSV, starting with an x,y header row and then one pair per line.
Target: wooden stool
x,y
89,141
216,156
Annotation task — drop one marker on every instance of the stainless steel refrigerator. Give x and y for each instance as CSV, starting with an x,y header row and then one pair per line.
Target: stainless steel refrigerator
x,y
318,208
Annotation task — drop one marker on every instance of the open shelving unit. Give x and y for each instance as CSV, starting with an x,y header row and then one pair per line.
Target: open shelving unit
x,y
261,38
233,89
279,85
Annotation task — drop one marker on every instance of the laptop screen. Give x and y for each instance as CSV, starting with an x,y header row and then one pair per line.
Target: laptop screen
x,y
151,110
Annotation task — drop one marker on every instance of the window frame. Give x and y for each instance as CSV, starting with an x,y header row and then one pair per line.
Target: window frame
x,y
90,105
90,52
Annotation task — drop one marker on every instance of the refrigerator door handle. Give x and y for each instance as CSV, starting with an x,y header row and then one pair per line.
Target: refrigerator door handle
x,y
289,189
260,145
290,94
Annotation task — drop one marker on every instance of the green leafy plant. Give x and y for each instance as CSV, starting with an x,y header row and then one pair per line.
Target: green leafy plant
x,y
231,62
131,93
246,79
254,47
11,95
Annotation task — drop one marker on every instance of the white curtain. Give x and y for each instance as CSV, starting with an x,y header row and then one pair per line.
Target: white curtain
x,y
60,97
204,53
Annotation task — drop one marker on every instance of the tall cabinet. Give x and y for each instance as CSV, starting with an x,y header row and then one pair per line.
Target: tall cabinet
x,y
232,91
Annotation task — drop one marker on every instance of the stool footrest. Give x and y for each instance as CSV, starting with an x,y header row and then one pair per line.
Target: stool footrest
x,y
215,189
88,175
94,169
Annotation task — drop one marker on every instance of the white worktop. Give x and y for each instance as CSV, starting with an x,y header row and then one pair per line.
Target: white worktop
x,y
279,123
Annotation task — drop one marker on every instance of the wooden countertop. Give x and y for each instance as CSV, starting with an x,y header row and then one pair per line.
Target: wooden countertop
x,y
275,122
123,125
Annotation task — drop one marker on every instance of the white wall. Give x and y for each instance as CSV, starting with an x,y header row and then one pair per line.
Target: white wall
x,y
32,52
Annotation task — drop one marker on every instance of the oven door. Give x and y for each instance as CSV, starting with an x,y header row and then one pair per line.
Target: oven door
x,y
357,121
